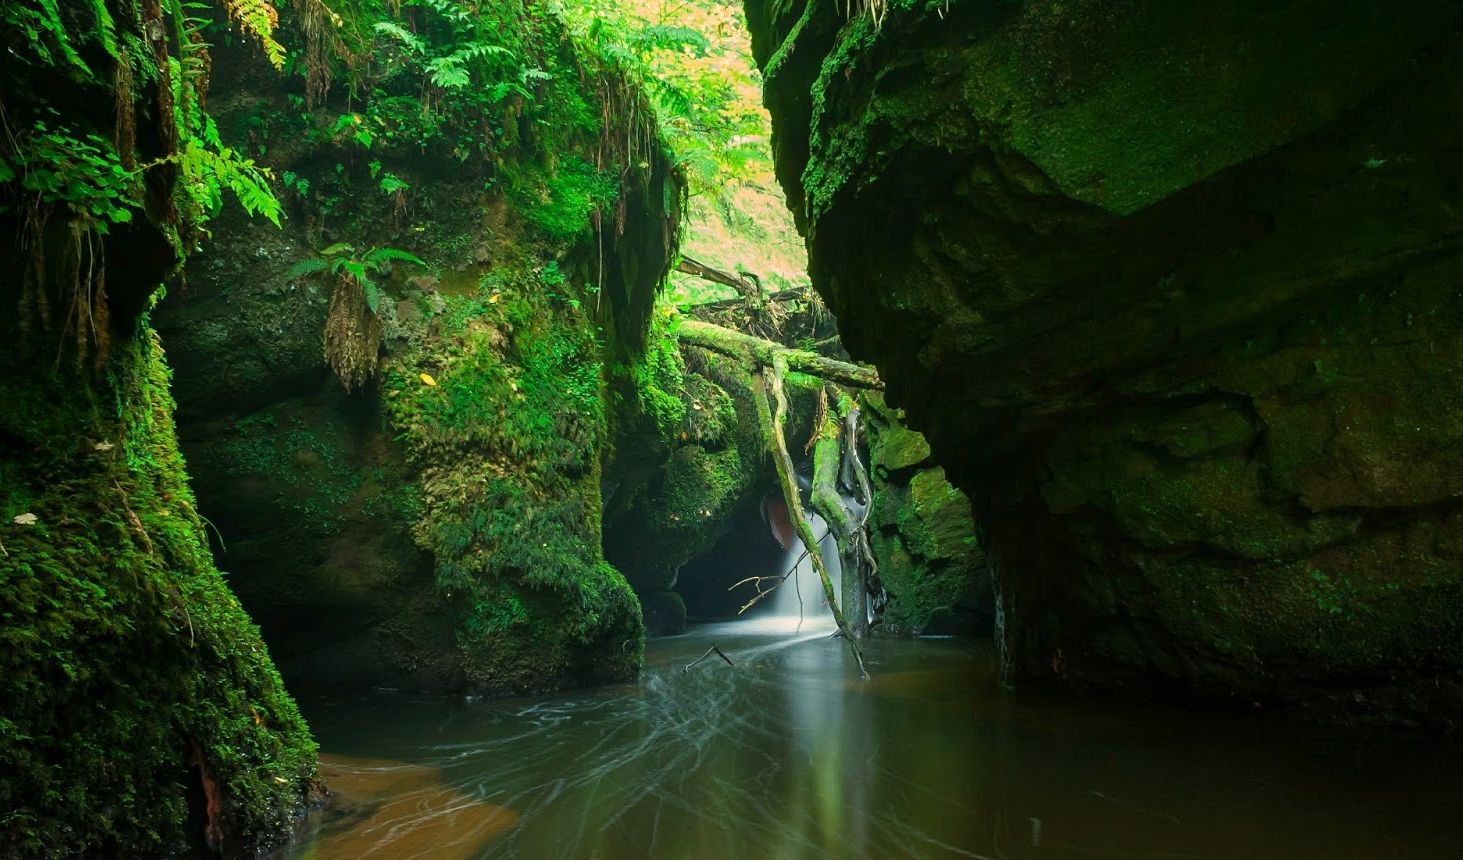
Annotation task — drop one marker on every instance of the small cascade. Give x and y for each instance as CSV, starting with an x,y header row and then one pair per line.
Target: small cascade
x,y
799,603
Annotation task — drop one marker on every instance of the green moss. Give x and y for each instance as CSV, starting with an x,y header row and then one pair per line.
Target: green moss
x,y
659,377
121,650
503,416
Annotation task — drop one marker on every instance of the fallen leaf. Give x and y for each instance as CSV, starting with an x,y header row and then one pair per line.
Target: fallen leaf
x,y
493,299
427,378
25,519
104,446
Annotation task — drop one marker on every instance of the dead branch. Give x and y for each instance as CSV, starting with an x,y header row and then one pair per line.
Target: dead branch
x,y
750,288
709,651
758,580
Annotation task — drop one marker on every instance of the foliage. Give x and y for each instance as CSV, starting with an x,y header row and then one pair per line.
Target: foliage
x,y
38,31
76,169
259,19
90,177
694,59
340,260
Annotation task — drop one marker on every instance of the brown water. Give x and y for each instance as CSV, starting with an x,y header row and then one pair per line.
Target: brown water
x,y
788,755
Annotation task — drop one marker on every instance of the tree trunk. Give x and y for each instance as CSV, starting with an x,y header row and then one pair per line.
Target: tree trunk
x,y
829,503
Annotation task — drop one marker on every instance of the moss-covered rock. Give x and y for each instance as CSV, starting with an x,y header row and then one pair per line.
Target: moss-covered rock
x,y
1168,294
503,414
130,675
922,534
140,715
665,612
438,535
691,458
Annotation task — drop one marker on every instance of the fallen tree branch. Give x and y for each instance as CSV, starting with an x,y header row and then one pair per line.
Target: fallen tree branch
x,y
709,651
749,287
758,580
763,353
771,379
791,294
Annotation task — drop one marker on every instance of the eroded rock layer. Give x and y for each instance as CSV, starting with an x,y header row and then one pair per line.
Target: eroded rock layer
x,y
1173,293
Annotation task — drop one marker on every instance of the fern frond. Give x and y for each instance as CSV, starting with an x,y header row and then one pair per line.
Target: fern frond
x,y
306,267
259,18
376,258
355,269
409,40
106,29
446,8
44,32
337,248
206,173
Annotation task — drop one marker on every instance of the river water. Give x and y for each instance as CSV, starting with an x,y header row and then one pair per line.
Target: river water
x,y
788,755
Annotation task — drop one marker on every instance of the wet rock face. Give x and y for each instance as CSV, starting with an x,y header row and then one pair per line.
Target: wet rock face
x,y
1169,292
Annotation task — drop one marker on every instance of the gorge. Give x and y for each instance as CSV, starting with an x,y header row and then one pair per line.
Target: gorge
x,y
1043,419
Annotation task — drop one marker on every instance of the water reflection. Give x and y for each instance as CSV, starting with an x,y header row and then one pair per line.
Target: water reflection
x,y
388,809
788,755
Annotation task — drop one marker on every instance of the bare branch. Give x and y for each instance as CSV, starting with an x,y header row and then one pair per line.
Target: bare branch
x,y
709,652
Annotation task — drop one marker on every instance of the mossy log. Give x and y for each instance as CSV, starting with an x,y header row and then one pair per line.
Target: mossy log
x,y
763,353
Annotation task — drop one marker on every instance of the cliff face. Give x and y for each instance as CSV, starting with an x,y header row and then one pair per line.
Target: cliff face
x,y
1171,293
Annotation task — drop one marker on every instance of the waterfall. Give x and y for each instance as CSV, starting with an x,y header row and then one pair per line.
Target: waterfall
x,y
814,612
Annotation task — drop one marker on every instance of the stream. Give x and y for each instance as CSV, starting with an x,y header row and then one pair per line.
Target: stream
x,y
788,755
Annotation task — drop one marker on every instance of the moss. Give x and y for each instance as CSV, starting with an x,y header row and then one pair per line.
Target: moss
x,y
1184,320
686,483
503,415
659,377
122,651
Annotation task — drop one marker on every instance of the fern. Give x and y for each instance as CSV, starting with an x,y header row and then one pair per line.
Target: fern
x,y
445,73
377,258
446,8
411,41
259,18
106,30
43,32
207,173
306,267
